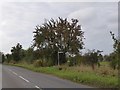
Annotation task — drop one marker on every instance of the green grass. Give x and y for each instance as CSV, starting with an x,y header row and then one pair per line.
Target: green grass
x,y
87,78
105,63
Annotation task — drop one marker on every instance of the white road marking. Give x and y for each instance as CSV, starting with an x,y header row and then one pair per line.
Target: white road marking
x,y
24,79
14,73
36,86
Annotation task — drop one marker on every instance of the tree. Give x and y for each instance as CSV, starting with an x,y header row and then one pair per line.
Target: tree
x,y
92,57
29,54
3,58
114,63
116,44
8,58
58,35
17,52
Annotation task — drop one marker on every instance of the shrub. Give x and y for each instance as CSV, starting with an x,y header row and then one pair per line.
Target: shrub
x,y
70,62
38,63
12,62
114,64
49,62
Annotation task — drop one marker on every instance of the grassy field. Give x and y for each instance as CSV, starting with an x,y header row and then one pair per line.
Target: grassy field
x,y
100,77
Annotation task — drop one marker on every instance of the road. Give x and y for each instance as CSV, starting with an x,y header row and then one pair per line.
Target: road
x,y
16,77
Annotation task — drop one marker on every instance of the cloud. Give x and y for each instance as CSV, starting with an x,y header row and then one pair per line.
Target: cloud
x,y
83,15
20,19
97,22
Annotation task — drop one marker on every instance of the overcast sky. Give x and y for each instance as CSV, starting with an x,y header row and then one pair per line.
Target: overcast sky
x,y
20,18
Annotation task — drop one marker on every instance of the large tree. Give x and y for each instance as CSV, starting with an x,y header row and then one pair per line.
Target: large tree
x,y
58,35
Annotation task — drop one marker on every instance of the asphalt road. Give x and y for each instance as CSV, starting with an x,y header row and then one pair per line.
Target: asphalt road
x,y
16,77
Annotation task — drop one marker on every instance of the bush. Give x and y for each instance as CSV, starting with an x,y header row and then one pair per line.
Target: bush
x,y
114,64
23,62
70,61
38,63
50,62
47,62
43,63
12,62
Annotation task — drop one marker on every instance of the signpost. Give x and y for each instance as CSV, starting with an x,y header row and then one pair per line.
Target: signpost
x,y
59,57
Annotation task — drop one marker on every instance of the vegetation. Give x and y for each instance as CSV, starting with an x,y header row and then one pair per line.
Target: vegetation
x,y
116,54
56,50
92,58
17,52
58,36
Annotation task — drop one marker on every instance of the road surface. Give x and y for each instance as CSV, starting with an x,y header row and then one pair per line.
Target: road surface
x,y
16,77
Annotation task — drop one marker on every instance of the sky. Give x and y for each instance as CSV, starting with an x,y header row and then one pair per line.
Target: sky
x,y
18,21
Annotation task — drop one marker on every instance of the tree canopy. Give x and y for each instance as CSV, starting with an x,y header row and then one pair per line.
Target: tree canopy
x,y
59,35
16,52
